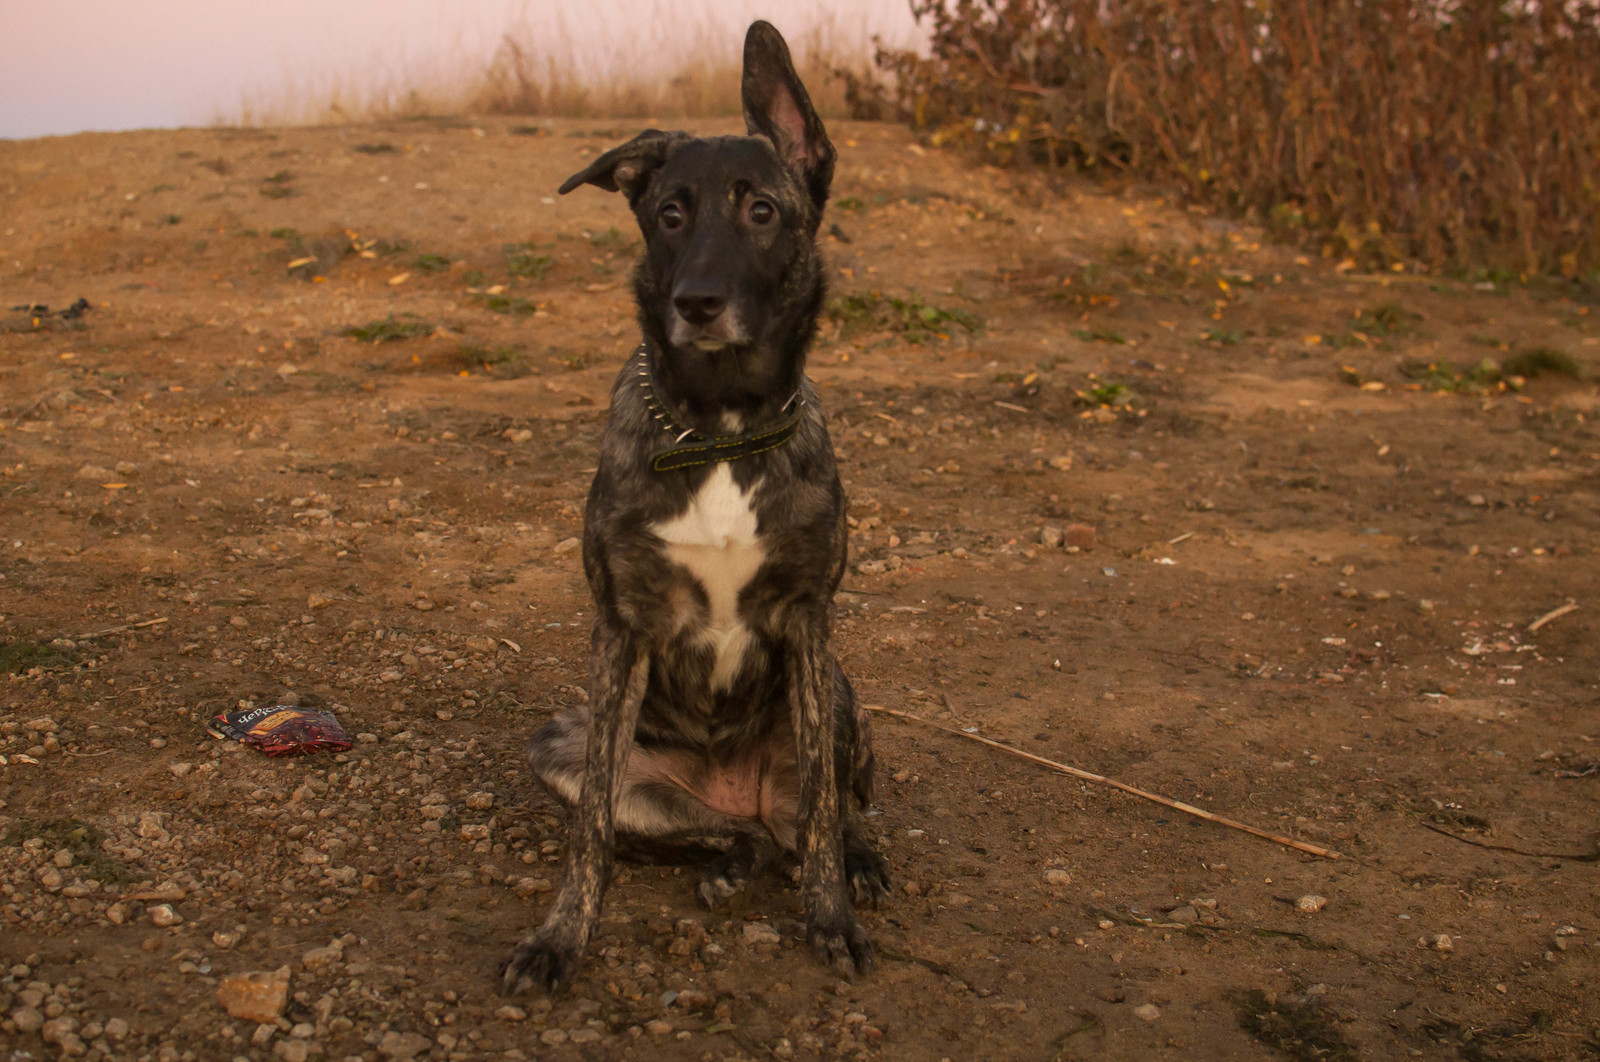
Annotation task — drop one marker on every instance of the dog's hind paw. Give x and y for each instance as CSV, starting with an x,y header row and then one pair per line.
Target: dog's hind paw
x,y
846,948
539,965
867,873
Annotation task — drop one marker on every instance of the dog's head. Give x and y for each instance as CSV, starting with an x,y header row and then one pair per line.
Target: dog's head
x,y
729,223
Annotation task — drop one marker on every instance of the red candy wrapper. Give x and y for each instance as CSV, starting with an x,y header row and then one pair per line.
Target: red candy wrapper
x,y
282,730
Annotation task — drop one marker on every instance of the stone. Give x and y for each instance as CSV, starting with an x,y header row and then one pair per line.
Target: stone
x,y
759,934
402,1046
1147,1012
163,915
510,1013
317,958
1051,537
28,1019
292,1050
1078,536
115,1029
1056,877
257,996
1310,904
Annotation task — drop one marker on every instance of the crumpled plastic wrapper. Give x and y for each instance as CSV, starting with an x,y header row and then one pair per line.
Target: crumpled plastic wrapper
x,y
281,730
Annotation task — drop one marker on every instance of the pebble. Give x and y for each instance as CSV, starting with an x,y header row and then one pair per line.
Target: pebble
x,y
510,1013
553,1037
257,996
1442,942
292,1050
317,958
480,801
162,914
759,934
1310,904
1051,537
1056,877
402,1046
28,1019
658,1027
1147,1012
1079,536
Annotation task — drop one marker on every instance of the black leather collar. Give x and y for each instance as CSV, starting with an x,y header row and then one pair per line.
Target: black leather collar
x,y
691,448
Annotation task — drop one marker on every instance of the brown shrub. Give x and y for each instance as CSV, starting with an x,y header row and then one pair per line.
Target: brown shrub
x,y
1461,132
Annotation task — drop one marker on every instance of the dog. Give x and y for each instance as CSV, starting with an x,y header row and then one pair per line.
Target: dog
x,y
714,540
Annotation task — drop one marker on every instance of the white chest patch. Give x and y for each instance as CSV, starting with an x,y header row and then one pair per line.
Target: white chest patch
x,y
715,540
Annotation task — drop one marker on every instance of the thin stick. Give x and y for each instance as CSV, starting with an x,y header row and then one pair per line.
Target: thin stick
x,y
1186,535
124,627
1553,614
1176,805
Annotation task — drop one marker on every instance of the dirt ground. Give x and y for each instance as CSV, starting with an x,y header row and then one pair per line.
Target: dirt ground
x,y
1322,532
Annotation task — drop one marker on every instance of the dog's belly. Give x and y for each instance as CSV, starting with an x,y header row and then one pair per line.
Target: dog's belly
x,y
715,541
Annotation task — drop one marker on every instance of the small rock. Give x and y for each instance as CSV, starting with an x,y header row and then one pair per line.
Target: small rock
x,y
1056,877
565,546
115,1028
163,915
1442,942
583,1036
402,1046
1079,536
553,1037
28,1020
224,938
257,996
480,801
116,914
510,1013
1147,1012
317,958
658,1027
292,1050
759,934
180,769
1185,914
1051,537
1310,904
530,886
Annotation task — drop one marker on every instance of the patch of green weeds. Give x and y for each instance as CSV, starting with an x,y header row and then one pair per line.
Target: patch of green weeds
x,y
284,233
1443,376
173,219
277,186
1100,335
849,204
578,360
1489,341
17,658
81,839
1110,393
911,318
474,278
1222,337
503,363
1299,1030
523,261
1541,361
381,148
162,188
611,237
432,263
390,329
511,304
1389,319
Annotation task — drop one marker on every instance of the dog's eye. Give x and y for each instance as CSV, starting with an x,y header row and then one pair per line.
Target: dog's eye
x,y
671,217
762,212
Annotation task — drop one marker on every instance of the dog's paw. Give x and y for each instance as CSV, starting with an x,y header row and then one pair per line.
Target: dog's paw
x,y
844,946
718,885
539,965
867,874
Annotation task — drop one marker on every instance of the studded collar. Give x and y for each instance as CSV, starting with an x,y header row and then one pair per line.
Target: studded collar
x,y
689,447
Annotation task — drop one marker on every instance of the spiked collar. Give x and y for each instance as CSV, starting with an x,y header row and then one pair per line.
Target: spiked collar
x,y
689,447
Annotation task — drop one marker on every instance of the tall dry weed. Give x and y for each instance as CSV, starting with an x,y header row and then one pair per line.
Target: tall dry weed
x,y
1461,132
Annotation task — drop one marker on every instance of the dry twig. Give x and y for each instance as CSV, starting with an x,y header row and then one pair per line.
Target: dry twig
x,y
1176,805
124,627
1553,614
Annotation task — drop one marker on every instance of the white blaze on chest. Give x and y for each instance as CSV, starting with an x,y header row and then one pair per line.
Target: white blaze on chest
x,y
715,540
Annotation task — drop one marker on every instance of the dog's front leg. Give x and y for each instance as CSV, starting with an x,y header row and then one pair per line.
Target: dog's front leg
x,y
548,959
831,927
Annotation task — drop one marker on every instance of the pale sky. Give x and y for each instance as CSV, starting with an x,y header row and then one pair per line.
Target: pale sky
x,y
67,66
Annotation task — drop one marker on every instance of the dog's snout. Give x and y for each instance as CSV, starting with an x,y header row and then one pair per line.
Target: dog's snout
x,y
699,306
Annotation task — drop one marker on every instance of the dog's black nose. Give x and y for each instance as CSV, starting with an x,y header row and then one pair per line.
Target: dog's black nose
x,y
699,307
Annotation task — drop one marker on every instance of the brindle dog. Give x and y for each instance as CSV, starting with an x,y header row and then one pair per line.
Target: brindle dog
x,y
714,540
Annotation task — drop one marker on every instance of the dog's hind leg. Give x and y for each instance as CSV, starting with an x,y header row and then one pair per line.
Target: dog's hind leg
x,y
618,670
742,863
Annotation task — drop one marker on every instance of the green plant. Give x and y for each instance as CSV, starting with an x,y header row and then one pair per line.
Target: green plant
x,y
1099,335
432,263
389,330
1541,361
521,261
913,319
1105,393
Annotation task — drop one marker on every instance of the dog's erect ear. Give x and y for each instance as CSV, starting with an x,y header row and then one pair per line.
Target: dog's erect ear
x,y
777,107
626,168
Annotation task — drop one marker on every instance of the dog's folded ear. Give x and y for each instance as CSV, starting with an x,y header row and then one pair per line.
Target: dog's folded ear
x,y
777,107
627,167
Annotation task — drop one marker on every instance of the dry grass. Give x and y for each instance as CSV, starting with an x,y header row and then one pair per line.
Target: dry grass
x,y
1462,132
667,69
